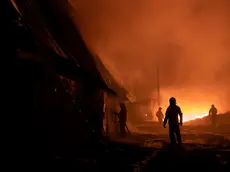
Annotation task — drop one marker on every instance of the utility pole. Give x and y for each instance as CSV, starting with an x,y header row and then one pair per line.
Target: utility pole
x,y
158,85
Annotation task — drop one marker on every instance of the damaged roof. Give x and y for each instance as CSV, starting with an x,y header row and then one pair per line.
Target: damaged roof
x,y
51,22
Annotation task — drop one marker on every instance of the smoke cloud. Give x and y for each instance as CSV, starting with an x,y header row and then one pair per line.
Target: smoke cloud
x,y
188,39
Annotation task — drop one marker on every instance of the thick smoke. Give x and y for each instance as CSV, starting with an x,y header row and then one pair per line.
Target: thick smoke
x,y
188,39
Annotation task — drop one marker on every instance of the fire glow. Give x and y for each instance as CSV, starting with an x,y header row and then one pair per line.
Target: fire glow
x,y
191,113
194,111
192,116
194,103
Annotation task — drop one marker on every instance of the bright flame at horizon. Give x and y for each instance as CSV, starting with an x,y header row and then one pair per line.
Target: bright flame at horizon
x,y
188,117
194,103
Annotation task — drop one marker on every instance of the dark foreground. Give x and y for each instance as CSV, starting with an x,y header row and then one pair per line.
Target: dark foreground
x,y
149,153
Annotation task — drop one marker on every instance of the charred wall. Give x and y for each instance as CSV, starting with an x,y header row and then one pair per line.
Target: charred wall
x,y
44,119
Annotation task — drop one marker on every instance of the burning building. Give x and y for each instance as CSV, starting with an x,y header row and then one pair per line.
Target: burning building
x,y
60,84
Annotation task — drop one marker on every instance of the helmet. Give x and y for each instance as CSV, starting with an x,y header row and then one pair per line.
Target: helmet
x,y
172,101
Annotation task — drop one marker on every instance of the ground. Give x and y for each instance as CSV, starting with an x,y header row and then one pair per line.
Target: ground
x,y
203,148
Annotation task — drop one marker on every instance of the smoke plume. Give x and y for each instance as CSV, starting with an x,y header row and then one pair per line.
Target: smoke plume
x,y
188,39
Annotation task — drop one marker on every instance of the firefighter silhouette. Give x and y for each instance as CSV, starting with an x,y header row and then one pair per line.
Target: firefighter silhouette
x,y
213,115
171,116
160,115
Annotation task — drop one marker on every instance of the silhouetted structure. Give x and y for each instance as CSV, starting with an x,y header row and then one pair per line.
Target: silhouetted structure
x,y
54,117
213,115
171,116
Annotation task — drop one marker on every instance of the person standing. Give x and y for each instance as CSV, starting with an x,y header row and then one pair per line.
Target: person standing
x,y
213,115
160,115
171,116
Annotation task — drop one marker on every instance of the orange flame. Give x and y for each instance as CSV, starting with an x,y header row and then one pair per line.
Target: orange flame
x,y
193,103
192,116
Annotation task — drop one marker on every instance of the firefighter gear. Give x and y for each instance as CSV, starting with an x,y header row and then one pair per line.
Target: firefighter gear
x,y
213,115
160,115
171,116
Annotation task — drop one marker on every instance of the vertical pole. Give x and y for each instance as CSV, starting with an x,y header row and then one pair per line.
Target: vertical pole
x,y
158,85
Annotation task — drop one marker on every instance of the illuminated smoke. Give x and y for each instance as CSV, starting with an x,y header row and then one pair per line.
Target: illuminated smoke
x,y
190,40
